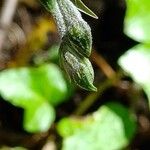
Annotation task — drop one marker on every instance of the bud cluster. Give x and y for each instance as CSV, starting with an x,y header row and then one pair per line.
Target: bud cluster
x,y
76,44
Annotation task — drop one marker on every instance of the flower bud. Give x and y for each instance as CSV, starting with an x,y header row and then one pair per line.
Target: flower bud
x,y
78,68
80,37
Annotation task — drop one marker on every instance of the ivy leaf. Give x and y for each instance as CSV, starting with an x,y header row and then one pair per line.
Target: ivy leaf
x,y
136,63
112,121
35,90
83,8
39,116
137,20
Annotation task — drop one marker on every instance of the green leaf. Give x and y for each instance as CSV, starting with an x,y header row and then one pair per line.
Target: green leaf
x,y
137,20
39,116
46,82
49,82
83,8
69,126
53,53
110,128
35,90
136,62
12,148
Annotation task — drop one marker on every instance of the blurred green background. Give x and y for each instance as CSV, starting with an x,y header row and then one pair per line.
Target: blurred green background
x,y
41,109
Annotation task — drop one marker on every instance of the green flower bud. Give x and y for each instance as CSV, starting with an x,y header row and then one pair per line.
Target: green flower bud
x,y
80,37
78,68
78,31
76,41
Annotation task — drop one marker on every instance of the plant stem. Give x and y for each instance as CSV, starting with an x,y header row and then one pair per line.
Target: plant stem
x,y
102,64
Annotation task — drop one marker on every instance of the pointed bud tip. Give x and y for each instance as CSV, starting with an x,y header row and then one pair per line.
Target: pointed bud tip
x,y
91,88
96,17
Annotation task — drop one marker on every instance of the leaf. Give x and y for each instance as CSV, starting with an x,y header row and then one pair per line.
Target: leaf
x,y
69,126
49,82
53,53
39,117
35,90
112,121
44,82
83,8
136,62
13,148
137,20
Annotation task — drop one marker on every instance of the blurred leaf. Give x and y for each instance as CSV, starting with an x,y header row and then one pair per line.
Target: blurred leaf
x,y
54,53
12,148
69,126
111,121
136,62
51,55
137,20
50,83
36,39
39,117
44,82
83,8
31,89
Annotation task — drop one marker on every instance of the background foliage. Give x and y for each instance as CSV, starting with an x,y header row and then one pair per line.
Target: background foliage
x,y
41,109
